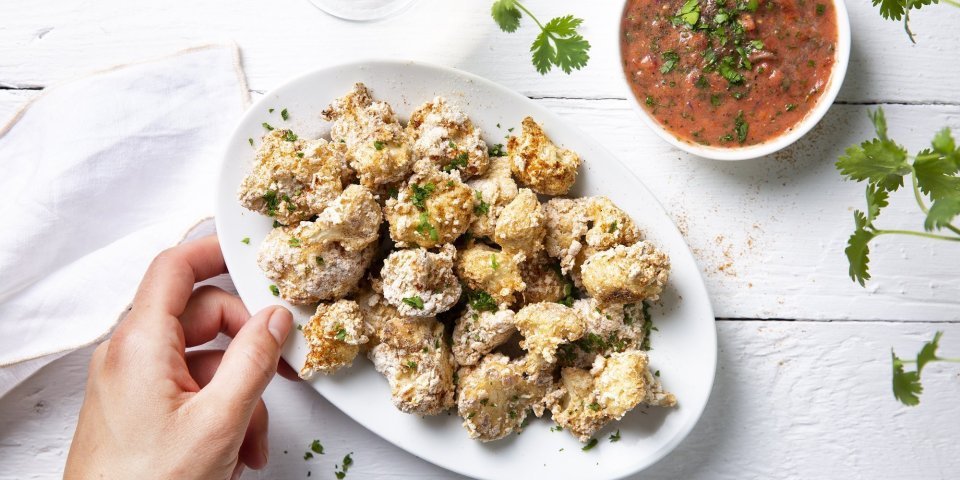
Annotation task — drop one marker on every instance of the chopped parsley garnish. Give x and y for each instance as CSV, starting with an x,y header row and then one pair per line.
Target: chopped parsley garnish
x,y
275,290
251,141
481,301
316,447
589,446
347,462
294,242
689,13
267,126
269,110
270,198
411,365
414,301
615,437
480,207
650,101
284,115
497,150
594,406
740,127
821,9
420,194
613,227
378,145
341,334
320,260
307,456
670,60
277,224
459,162
493,261
393,192
290,136
426,228
246,240
556,428
790,107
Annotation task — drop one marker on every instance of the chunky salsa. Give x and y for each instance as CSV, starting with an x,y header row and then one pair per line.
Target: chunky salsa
x,y
728,73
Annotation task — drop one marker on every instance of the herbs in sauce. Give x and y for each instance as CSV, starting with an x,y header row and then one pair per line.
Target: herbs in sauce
x,y
728,73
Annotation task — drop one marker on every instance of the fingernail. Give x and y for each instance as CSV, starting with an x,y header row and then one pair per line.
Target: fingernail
x,y
265,450
237,471
279,324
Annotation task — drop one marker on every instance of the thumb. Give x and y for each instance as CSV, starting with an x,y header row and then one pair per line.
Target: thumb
x,y
250,362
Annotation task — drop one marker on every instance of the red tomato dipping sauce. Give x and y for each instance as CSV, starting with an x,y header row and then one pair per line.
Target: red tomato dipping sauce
x,y
728,73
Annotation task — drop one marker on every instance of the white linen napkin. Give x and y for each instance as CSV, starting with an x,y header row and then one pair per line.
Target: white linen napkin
x,y
99,175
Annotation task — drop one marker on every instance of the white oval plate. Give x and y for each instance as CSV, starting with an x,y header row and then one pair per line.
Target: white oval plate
x,y
684,347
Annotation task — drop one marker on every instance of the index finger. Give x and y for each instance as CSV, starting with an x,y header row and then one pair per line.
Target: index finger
x,y
169,280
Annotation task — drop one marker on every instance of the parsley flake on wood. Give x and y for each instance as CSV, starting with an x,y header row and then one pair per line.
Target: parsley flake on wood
x,y
414,301
559,44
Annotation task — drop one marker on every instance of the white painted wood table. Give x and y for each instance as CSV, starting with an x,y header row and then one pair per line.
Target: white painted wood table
x,y
803,383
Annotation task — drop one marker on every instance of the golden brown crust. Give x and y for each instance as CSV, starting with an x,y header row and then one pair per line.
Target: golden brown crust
x,y
447,209
441,133
485,268
539,164
333,334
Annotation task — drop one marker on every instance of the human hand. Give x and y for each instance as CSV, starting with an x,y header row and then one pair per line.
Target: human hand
x,y
153,411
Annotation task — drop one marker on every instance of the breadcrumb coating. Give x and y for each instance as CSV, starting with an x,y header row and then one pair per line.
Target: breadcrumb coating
x,y
544,327
376,144
492,193
478,333
485,268
443,134
433,208
566,226
420,283
333,334
293,179
353,220
521,226
543,280
495,396
626,274
539,164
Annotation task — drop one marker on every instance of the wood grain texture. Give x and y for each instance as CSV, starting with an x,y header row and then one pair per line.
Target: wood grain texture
x,y
53,41
791,400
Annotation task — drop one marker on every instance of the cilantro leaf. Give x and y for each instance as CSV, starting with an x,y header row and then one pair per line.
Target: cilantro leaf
x,y
929,352
936,175
941,213
858,250
906,385
543,53
944,144
506,14
879,161
688,13
876,200
879,122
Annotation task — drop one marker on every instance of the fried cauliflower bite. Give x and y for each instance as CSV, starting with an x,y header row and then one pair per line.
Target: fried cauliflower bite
x,y
610,226
566,226
543,280
521,226
376,144
421,283
433,208
293,179
545,326
417,363
539,164
478,333
492,193
484,268
494,397
588,400
604,334
441,133
333,334
353,220
307,272
626,274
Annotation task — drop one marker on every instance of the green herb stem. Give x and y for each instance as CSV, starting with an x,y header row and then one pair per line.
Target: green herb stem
x,y
521,7
917,234
939,359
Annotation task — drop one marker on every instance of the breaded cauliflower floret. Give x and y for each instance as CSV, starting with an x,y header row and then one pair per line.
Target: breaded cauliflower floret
x,y
333,334
611,226
421,283
306,272
492,193
376,144
544,281
411,354
544,327
494,397
605,333
588,400
478,333
484,268
539,164
521,226
567,225
433,208
353,220
626,274
441,133
293,179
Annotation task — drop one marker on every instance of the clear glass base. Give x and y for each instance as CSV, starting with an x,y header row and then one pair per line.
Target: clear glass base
x,y
362,10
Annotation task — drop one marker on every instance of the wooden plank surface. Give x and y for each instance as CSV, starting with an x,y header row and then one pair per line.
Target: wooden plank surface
x,y
791,400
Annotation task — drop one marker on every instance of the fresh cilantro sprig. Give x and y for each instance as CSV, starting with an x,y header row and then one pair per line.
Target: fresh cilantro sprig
x,y
906,385
934,174
900,9
558,44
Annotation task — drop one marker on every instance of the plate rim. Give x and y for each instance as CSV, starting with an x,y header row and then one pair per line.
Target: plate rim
x,y
255,107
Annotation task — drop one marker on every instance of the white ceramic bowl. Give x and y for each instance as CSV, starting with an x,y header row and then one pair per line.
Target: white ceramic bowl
x,y
684,346
776,143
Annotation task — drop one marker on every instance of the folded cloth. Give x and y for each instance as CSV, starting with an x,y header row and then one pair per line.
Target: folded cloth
x,y
100,174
